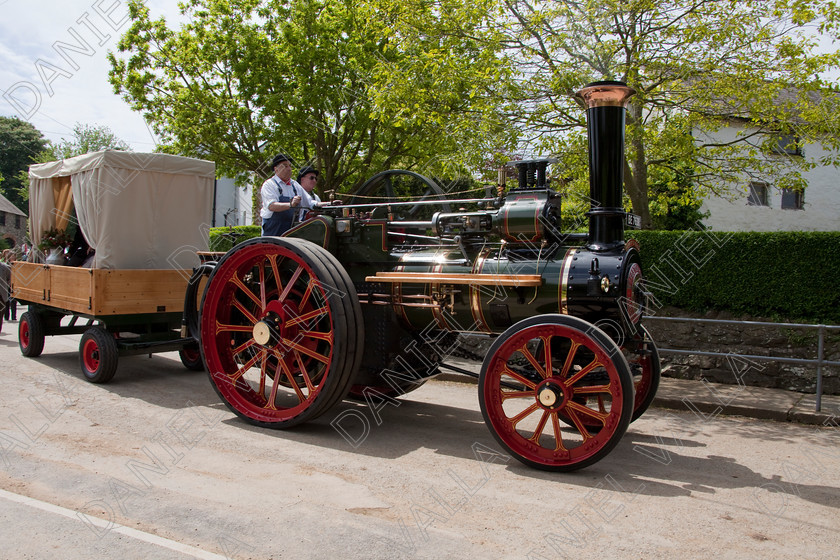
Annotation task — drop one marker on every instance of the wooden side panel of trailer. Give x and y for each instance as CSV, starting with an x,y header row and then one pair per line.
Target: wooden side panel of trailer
x,y
100,292
70,287
30,282
124,292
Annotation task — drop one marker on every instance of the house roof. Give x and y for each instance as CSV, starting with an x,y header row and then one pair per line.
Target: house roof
x,y
9,208
749,105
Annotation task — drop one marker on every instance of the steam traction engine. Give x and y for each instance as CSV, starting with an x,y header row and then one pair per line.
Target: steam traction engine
x,y
366,299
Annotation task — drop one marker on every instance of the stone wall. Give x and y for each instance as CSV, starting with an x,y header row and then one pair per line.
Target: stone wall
x,y
739,340
18,234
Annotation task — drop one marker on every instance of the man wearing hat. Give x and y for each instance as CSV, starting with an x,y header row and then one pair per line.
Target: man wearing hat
x,y
281,197
308,178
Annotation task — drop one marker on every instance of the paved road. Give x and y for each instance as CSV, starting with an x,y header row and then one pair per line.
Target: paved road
x,y
154,466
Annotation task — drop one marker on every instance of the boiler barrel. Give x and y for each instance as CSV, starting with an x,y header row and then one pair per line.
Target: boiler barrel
x,y
501,291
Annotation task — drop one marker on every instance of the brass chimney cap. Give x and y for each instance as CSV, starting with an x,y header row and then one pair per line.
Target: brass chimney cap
x,y
605,94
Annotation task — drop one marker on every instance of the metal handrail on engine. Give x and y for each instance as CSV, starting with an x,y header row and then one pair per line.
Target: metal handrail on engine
x,y
425,202
819,362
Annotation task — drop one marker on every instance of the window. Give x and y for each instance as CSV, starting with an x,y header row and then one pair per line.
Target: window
x,y
2,218
788,144
758,194
791,199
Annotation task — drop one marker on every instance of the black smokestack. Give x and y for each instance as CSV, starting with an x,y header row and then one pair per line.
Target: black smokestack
x,y
605,107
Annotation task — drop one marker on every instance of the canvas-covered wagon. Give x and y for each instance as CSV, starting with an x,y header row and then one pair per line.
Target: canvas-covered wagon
x,y
139,219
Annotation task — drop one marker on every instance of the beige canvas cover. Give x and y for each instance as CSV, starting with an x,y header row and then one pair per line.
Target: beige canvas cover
x,y
136,210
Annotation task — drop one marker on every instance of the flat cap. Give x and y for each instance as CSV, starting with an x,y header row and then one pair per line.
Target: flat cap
x,y
278,159
306,171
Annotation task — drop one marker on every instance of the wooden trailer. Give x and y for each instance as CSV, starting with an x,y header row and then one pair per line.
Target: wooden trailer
x,y
144,217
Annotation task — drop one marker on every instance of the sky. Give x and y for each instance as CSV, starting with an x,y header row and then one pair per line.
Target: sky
x,y
53,93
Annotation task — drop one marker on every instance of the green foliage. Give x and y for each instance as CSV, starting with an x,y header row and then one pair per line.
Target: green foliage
x,y
443,74
20,143
45,156
54,238
88,138
786,274
674,204
223,238
697,67
669,214
353,86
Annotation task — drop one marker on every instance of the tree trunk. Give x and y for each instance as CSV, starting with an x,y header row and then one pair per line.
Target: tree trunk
x,y
256,202
635,171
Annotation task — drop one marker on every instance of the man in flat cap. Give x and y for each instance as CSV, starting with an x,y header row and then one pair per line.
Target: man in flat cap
x,y
308,178
281,197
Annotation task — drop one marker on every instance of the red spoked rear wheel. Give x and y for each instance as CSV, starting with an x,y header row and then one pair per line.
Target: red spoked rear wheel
x,y
646,369
278,331
550,368
643,359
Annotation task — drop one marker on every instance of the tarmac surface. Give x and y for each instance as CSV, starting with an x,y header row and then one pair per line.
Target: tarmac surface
x,y
153,466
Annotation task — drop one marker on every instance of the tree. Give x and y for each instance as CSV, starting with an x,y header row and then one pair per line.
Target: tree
x,y
674,203
88,138
20,143
697,66
334,82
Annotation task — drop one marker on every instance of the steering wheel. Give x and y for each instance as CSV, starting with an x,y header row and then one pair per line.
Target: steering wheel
x,y
400,185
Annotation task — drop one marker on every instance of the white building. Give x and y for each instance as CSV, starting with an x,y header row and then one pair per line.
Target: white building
x,y
232,204
759,206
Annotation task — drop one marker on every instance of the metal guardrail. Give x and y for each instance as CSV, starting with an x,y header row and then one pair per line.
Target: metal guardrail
x,y
819,362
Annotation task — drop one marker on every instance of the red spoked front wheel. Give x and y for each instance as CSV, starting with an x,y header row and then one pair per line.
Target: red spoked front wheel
x,y
550,368
646,370
279,331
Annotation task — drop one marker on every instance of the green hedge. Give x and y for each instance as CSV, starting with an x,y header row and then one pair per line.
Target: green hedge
x,y
780,274
218,242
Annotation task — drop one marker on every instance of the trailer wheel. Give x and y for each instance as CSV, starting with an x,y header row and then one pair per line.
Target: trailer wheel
x,y
647,371
31,334
191,357
279,331
98,355
523,401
